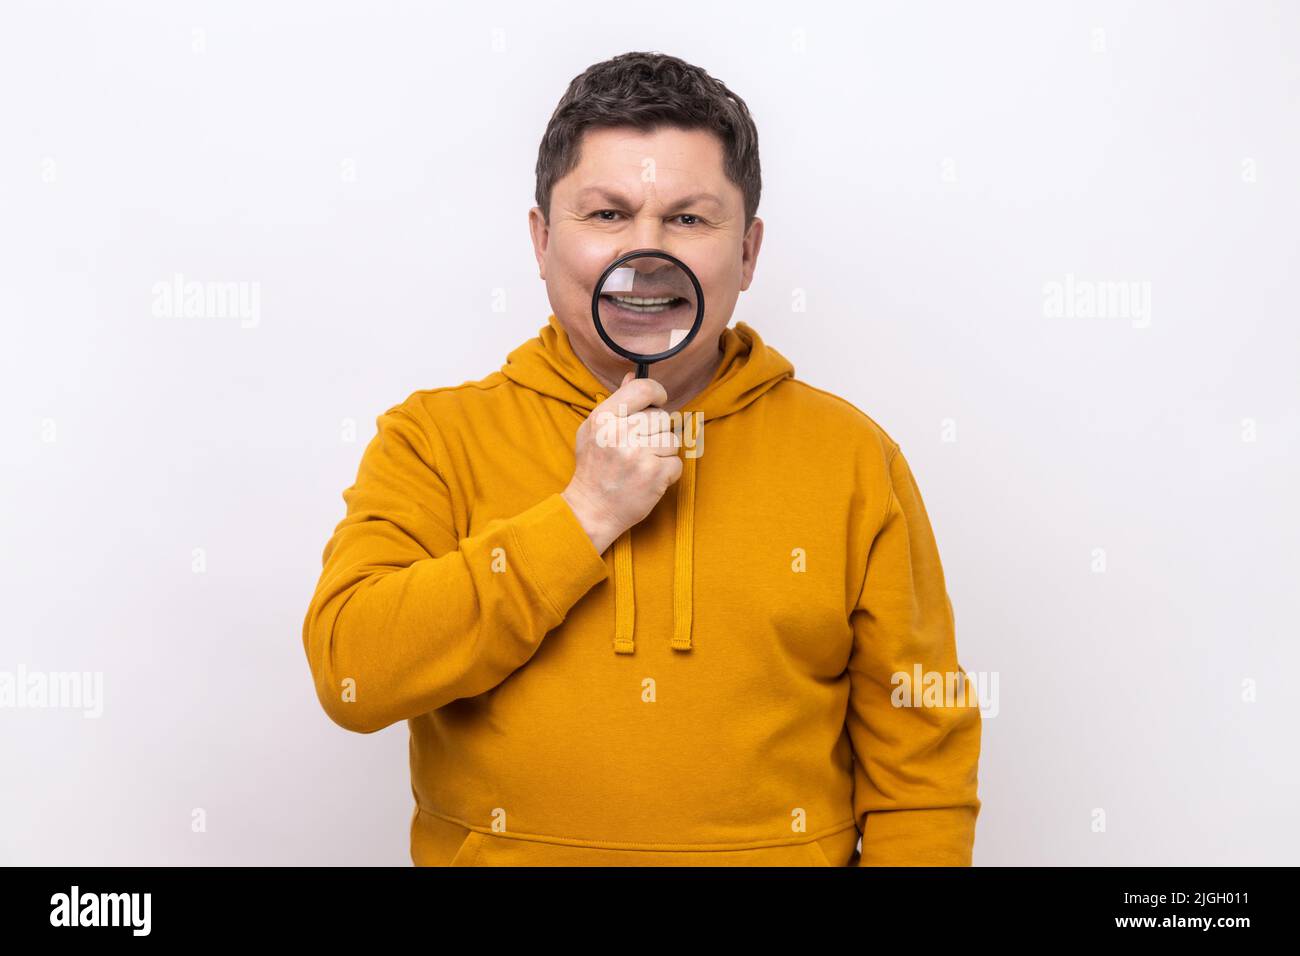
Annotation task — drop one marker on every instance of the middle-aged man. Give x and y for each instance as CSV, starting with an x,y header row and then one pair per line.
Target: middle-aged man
x,y
598,672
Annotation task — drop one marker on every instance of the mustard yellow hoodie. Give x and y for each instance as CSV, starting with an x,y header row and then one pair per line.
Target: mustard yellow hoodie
x,y
716,689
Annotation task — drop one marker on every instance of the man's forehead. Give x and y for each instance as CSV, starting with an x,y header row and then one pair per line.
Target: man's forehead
x,y
613,160
619,192
670,142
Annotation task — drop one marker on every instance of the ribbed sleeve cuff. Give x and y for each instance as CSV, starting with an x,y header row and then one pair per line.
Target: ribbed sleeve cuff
x,y
942,836
558,557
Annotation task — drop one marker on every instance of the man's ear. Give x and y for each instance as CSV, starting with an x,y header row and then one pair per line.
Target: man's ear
x,y
541,235
749,247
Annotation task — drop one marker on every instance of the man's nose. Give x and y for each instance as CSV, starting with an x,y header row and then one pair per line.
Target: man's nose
x,y
648,233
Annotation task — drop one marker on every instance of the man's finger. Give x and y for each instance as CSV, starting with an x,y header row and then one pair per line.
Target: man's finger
x,y
667,445
633,396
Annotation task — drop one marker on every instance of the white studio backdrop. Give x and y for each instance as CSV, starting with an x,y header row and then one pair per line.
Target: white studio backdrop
x,y
946,187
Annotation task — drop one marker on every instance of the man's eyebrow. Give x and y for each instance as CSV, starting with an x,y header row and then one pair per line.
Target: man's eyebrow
x,y
599,192
694,198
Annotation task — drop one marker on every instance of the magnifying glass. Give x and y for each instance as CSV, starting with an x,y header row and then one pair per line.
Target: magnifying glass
x,y
647,307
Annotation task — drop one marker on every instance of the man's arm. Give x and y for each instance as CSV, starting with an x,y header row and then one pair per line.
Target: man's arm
x,y
915,767
406,617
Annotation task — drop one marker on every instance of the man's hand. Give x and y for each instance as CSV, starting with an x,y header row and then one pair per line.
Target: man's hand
x,y
626,454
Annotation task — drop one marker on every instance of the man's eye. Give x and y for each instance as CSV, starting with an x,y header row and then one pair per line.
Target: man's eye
x,y
607,215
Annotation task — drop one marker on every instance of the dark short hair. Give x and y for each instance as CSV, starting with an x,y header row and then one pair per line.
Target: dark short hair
x,y
646,91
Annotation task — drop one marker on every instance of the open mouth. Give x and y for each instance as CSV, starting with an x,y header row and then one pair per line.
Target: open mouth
x,y
644,304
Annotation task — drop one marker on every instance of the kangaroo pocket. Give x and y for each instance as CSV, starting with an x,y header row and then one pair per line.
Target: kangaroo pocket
x,y
439,842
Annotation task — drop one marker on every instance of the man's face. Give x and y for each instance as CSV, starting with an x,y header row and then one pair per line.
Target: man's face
x,y
666,190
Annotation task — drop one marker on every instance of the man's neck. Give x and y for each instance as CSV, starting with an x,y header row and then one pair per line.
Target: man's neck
x,y
682,382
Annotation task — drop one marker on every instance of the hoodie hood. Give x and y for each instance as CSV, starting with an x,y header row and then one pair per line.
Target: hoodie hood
x,y
548,365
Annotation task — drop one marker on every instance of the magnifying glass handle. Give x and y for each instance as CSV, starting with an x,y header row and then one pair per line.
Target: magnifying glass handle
x,y
642,370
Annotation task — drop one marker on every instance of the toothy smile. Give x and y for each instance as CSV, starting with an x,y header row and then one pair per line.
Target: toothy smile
x,y
647,305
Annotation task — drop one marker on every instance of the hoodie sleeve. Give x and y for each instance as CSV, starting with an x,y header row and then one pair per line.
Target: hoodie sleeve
x,y
915,767
406,617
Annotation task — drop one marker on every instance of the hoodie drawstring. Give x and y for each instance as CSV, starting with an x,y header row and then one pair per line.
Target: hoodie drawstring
x,y
683,566
683,556
624,601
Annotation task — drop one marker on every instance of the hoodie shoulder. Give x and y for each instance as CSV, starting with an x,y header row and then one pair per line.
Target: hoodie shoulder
x,y
839,414
432,403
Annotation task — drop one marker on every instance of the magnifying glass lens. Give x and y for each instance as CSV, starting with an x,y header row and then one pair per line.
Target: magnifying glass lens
x,y
647,305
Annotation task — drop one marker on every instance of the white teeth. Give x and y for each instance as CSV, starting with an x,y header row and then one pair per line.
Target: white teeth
x,y
637,303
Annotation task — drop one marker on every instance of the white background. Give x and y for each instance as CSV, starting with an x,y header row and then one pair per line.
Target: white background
x,y
927,169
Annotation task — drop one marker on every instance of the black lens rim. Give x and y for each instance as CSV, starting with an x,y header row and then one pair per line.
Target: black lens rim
x,y
638,357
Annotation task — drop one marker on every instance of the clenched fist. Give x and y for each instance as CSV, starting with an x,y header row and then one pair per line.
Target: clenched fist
x,y
627,457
